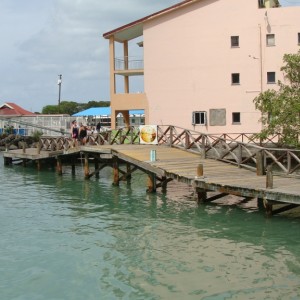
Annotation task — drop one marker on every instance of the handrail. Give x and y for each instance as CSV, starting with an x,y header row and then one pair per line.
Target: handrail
x,y
241,150
129,63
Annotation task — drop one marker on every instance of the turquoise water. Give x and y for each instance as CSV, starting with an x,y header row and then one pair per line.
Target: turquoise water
x,y
68,238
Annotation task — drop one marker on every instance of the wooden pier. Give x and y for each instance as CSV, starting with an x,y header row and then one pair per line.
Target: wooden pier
x,y
204,175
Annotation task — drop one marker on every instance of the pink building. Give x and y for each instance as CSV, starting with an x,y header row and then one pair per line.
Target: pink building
x,y
202,62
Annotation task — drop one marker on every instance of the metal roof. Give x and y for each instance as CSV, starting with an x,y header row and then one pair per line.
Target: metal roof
x,y
103,111
135,29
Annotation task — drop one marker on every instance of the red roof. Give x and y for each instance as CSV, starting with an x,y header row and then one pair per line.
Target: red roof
x,y
154,15
12,109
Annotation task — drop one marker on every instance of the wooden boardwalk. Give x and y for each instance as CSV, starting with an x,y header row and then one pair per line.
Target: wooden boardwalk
x,y
218,176
183,166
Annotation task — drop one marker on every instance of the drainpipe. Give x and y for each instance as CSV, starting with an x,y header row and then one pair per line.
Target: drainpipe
x,y
261,58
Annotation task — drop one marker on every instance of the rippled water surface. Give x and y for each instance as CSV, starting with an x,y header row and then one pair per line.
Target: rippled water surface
x,y
68,238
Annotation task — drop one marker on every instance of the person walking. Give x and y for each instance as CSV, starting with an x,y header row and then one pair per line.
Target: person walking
x,y
82,134
74,132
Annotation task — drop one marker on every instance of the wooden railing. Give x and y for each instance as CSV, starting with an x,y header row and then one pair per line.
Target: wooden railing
x,y
242,150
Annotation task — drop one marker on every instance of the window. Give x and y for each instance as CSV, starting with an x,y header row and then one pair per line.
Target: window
x,y
235,78
261,3
270,39
298,38
199,117
236,118
271,78
235,41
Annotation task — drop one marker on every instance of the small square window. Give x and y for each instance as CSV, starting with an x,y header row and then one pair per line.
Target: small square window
x,y
199,118
298,38
270,40
271,78
235,78
235,41
236,118
261,3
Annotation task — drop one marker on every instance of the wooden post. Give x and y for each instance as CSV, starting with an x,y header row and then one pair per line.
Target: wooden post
x,y
269,209
24,147
200,170
187,140
260,170
201,195
59,165
96,168
38,148
203,152
151,183
131,135
128,170
269,178
7,161
109,138
260,204
164,184
86,166
171,136
240,155
268,206
116,171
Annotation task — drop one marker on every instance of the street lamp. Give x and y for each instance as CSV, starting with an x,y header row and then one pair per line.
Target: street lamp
x,y
59,88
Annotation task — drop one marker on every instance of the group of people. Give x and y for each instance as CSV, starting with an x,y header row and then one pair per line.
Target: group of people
x,y
81,132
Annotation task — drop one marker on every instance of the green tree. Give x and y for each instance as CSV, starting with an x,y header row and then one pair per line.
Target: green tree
x,y
68,107
50,110
281,108
71,107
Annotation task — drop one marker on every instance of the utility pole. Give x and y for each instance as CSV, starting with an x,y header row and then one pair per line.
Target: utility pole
x,y
59,90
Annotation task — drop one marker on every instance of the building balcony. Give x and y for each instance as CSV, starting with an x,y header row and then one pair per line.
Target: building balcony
x,y
128,66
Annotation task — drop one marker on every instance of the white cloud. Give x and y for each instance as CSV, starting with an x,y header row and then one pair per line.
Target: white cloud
x,y
51,37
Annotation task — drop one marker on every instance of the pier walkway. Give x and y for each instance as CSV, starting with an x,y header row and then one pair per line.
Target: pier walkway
x,y
227,173
205,175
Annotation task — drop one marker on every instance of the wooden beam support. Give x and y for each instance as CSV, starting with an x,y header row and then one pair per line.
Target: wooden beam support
x,y
284,208
200,195
116,171
260,170
163,183
7,161
86,166
268,207
269,178
151,183
59,165
216,197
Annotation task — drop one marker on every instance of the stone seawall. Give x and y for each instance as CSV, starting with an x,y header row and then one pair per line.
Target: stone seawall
x,y
13,141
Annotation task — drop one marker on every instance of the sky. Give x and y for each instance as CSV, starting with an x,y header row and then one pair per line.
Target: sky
x,y
43,39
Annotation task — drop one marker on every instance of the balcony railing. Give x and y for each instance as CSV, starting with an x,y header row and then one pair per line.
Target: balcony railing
x,y
129,63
